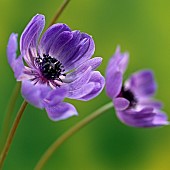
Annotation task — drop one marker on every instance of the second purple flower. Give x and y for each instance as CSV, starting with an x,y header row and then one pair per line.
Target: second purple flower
x,y
133,99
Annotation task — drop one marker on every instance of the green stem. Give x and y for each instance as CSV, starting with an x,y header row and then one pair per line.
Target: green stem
x,y
59,12
8,115
11,133
12,102
5,127
69,133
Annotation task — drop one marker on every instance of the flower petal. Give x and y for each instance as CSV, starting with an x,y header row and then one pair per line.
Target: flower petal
x,y
93,63
114,73
50,36
151,103
55,96
79,82
160,119
29,38
61,111
118,62
59,43
142,83
70,47
34,94
143,118
113,84
16,64
120,103
98,82
81,53
81,92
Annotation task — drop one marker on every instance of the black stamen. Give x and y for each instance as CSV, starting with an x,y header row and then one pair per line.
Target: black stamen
x,y
50,67
127,94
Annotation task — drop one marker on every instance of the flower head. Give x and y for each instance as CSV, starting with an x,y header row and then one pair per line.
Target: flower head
x,y
133,100
58,65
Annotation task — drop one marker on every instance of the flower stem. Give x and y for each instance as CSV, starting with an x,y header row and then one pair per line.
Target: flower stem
x,y
11,133
12,101
69,133
8,115
59,12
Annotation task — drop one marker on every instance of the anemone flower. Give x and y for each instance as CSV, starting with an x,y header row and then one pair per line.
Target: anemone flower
x,y
54,67
133,99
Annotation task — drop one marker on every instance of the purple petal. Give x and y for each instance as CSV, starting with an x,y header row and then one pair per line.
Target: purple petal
x,y
12,49
50,36
142,83
79,82
120,103
118,62
143,118
160,119
79,87
93,63
29,38
98,82
114,73
113,84
16,64
151,103
34,94
61,111
59,43
70,47
55,96
81,53
81,92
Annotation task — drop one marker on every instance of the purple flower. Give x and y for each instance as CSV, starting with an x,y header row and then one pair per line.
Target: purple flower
x,y
133,100
56,66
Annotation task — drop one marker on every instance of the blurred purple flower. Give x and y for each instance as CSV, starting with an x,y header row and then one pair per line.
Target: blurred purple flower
x,y
57,66
133,100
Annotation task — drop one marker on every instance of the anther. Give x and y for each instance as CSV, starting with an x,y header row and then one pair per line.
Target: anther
x,y
50,67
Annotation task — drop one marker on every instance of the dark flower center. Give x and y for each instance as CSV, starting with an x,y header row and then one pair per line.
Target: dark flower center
x,y
127,94
50,67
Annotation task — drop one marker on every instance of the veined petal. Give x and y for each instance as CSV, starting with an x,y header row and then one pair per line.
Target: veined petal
x,y
118,62
160,119
61,111
93,63
16,64
34,94
98,82
82,52
120,103
79,82
113,84
142,83
70,47
55,96
50,36
81,92
59,43
29,38
143,118
114,73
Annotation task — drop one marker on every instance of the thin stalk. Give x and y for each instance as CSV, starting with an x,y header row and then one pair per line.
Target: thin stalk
x,y
8,115
59,12
11,133
5,127
12,101
69,133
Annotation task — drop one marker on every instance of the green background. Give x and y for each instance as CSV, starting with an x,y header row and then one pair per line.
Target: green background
x,y
141,27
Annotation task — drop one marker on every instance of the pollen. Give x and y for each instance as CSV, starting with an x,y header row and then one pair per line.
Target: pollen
x,y
50,68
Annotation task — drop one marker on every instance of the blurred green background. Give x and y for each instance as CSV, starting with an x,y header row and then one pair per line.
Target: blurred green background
x,y
140,27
